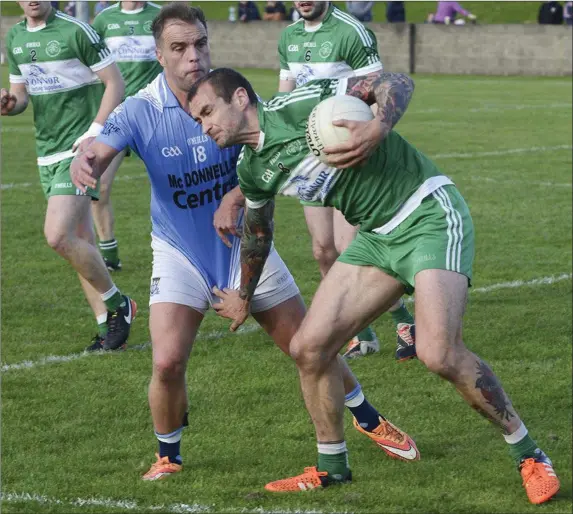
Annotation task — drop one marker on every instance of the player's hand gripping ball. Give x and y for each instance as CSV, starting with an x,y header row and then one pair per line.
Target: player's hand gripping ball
x,y
320,131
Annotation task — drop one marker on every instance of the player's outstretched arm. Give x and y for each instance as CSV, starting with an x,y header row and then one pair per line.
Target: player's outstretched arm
x,y
88,166
15,101
392,93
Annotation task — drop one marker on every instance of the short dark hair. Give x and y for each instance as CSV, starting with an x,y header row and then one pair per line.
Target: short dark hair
x,y
176,11
225,81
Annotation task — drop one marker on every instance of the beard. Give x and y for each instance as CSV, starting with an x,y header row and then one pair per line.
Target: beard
x,y
317,12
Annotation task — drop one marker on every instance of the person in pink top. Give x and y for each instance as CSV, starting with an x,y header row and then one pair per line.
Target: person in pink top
x,y
447,11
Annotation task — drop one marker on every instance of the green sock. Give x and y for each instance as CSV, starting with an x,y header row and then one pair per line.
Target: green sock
x,y
336,464
113,299
102,329
110,250
366,335
524,449
402,315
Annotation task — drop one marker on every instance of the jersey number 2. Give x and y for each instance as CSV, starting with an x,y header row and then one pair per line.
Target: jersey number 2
x,y
33,56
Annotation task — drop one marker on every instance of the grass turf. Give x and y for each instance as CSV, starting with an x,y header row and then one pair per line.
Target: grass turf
x,y
82,430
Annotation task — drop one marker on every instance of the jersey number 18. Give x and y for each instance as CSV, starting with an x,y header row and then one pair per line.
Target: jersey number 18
x,y
199,154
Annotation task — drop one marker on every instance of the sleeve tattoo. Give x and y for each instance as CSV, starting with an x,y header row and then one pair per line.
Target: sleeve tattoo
x,y
256,242
391,91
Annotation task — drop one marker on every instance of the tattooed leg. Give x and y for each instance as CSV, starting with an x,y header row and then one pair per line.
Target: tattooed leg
x,y
483,391
440,304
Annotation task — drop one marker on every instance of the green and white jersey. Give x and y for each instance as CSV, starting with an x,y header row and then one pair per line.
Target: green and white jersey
x,y
128,35
57,62
378,196
339,47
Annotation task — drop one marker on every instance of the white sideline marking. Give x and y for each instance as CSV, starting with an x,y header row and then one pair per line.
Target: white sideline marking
x,y
514,182
524,283
176,508
248,329
508,151
102,502
51,359
517,283
494,108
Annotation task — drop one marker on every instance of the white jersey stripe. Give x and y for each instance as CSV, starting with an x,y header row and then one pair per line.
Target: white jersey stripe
x,y
112,6
295,94
362,32
90,32
276,102
291,101
366,39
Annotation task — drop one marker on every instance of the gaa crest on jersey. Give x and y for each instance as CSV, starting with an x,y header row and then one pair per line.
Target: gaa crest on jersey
x,y
294,147
326,49
53,48
147,27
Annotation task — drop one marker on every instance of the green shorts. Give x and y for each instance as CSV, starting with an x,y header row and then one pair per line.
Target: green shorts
x,y
56,181
439,234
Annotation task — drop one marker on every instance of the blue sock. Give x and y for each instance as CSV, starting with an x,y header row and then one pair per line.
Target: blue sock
x,y
169,445
366,415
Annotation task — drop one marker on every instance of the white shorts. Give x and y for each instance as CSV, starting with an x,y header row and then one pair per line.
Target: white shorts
x,y
175,280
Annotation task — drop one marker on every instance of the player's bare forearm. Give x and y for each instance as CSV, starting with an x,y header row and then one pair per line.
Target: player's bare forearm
x,y
390,91
256,242
236,196
113,94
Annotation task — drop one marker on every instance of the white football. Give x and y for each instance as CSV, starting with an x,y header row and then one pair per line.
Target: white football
x,y
320,131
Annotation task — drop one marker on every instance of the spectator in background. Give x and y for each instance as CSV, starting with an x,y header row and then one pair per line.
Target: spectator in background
x,y
568,13
55,5
293,14
550,13
248,11
447,11
100,6
395,12
360,10
70,9
275,11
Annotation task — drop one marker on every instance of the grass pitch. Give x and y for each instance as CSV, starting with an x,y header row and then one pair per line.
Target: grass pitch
x,y
76,430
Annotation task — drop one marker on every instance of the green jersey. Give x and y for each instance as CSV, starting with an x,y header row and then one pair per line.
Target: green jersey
x,y
57,62
378,195
128,35
339,47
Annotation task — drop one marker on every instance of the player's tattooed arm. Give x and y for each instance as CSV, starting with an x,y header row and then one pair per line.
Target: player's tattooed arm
x,y
256,242
390,91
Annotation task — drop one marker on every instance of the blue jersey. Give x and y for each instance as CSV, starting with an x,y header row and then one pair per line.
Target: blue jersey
x,y
189,175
